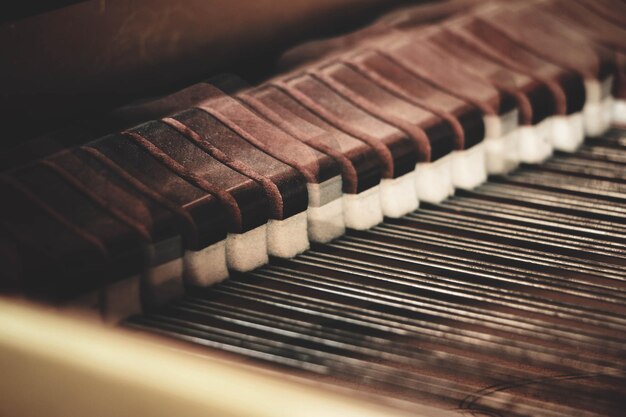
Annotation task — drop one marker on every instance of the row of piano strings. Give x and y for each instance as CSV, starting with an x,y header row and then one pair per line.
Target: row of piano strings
x,y
505,300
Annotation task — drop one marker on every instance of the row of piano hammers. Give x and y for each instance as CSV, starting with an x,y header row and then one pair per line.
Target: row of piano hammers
x,y
221,175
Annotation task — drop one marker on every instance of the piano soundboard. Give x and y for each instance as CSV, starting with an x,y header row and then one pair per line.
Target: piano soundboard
x,y
429,215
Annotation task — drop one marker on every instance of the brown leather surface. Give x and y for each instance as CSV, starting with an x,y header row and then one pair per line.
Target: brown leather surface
x,y
567,87
53,260
142,111
465,118
433,136
238,120
396,150
314,165
550,39
591,24
250,208
292,197
123,243
121,192
425,59
207,214
597,28
532,96
359,162
613,11
274,199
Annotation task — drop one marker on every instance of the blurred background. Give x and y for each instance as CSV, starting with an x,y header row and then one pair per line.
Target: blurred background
x,y
66,60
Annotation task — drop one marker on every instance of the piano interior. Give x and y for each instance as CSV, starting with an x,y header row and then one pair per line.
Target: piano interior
x,y
299,208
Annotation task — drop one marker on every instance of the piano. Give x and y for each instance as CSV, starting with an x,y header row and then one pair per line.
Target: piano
x,y
393,210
